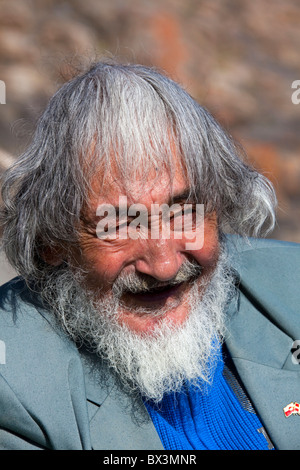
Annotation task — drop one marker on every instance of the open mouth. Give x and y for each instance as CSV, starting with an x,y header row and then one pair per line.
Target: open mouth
x,y
158,294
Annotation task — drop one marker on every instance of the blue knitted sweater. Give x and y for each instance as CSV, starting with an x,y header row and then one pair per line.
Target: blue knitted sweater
x,y
211,417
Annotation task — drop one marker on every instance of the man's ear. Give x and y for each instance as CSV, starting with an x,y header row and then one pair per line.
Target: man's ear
x,y
53,255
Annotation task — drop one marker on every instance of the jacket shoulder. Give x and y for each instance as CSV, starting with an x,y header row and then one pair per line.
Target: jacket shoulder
x,y
241,244
265,258
269,277
25,322
266,264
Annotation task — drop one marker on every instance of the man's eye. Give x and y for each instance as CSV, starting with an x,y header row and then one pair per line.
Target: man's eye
x,y
122,225
184,218
106,234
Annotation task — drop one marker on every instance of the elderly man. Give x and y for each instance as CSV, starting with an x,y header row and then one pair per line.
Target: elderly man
x,y
136,322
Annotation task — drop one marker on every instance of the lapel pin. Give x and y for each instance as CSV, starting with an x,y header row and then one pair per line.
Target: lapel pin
x,y
292,409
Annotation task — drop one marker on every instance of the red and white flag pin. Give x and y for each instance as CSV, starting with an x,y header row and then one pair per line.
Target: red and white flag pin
x,y
292,409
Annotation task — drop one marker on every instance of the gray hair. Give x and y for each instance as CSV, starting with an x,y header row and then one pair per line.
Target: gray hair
x,y
123,115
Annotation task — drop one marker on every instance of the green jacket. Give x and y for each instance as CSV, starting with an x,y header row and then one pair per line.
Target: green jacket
x,y
50,400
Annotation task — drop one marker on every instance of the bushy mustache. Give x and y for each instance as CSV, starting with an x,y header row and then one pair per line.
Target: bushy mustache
x,y
139,283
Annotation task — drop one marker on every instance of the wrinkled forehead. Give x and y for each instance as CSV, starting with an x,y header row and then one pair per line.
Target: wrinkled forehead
x,y
134,174
159,184
155,183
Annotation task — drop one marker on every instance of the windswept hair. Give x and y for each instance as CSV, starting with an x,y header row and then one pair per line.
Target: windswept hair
x,y
132,117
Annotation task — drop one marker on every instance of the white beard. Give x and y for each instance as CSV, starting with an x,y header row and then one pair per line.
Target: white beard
x,y
163,361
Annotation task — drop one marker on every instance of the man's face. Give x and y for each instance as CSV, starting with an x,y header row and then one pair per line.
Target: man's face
x,y
153,259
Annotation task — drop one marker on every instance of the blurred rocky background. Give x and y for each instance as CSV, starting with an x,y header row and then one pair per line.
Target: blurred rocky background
x,y
237,58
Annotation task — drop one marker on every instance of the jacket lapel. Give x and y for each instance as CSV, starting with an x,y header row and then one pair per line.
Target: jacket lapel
x,y
271,390
114,427
116,423
261,352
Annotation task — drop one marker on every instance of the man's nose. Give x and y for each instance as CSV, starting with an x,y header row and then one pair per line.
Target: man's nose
x,y
160,259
